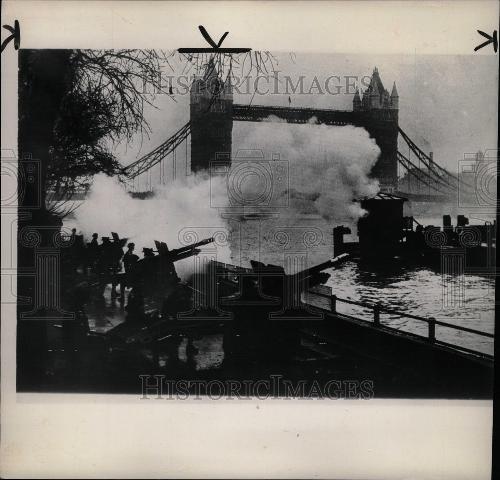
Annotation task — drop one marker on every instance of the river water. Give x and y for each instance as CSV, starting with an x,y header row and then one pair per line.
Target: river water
x,y
301,242
466,300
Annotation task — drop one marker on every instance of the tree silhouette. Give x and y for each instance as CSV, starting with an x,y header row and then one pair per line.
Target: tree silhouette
x,y
76,104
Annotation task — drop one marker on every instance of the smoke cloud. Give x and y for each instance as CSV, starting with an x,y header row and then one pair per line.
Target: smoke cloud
x,y
329,167
179,213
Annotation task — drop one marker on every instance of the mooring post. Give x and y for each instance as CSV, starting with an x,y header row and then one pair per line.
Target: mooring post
x,y
376,315
432,329
333,303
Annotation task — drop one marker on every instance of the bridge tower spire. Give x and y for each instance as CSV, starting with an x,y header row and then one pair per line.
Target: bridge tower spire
x,y
394,97
211,117
378,113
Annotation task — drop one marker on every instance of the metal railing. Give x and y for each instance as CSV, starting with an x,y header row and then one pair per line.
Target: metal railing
x,y
378,309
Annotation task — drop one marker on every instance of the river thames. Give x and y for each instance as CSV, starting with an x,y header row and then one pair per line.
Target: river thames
x,y
466,300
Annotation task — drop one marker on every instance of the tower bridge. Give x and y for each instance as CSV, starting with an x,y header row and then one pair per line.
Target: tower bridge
x,y
213,113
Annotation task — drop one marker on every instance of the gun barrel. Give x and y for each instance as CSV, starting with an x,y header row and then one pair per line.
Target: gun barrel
x,y
190,248
186,254
205,241
332,263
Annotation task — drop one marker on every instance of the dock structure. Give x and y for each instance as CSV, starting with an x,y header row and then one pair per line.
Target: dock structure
x,y
428,364
421,364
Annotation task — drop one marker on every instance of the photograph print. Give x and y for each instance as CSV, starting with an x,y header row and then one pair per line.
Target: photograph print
x,y
261,224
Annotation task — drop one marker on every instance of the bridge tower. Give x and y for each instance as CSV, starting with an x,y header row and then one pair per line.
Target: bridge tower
x,y
211,110
379,113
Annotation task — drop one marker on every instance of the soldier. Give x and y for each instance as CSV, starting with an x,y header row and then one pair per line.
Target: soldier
x,y
103,263
94,243
104,254
129,261
70,254
78,247
116,254
138,279
130,258
146,270
92,252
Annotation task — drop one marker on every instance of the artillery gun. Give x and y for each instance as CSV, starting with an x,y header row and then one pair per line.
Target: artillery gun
x,y
268,311
306,278
182,252
271,279
157,296
248,334
154,280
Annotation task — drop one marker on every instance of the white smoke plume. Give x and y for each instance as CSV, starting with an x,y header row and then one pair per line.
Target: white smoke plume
x,y
329,167
176,209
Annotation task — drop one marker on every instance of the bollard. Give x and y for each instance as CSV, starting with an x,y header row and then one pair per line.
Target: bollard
x,y
432,329
376,315
333,303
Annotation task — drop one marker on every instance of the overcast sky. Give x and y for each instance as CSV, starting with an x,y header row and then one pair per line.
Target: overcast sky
x,y
448,104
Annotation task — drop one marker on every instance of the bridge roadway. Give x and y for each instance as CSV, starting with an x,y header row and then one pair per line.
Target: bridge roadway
x,y
424,197
259,113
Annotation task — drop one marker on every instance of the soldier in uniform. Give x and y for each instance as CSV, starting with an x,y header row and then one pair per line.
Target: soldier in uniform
x,y
103,263
138,278
92,252
94,242
79,250
116,254
129,261
130,258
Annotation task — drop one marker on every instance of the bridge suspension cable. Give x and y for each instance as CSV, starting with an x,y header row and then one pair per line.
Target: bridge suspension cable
x,y
432,166
412,169
437,177
154,157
